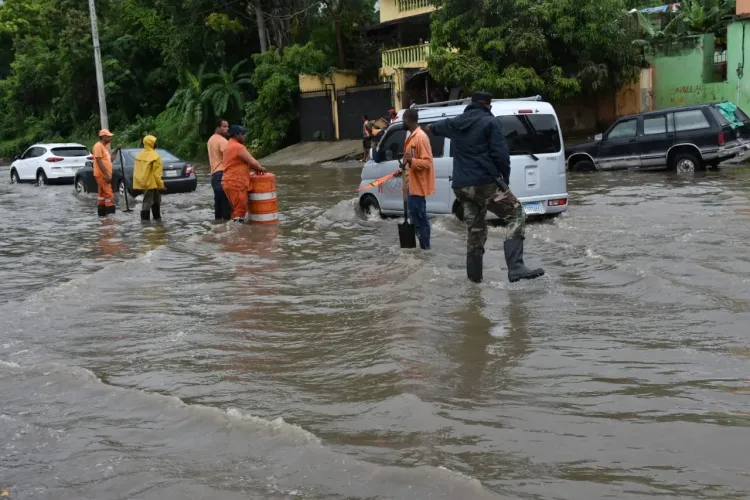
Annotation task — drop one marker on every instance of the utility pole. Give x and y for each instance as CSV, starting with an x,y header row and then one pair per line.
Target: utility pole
x,y
98,62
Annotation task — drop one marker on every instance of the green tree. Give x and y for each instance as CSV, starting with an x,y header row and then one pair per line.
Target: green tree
x,y
228,90
554,47
189,101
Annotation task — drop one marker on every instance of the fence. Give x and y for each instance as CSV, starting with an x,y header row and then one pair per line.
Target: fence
x,y
404,56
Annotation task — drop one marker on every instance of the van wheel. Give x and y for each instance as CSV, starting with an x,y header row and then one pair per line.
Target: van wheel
x,y
583,166
14,179
41,178
686,163
369,205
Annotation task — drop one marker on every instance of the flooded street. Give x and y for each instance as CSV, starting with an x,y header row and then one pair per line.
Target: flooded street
x,y
318,360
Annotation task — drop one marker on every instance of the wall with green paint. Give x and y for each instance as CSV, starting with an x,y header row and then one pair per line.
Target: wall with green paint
x,y
684,72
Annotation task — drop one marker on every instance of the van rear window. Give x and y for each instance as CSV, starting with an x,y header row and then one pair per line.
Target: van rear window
x,y
70,152
536,134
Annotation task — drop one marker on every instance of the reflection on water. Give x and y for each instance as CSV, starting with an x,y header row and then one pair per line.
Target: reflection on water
x,y
316,359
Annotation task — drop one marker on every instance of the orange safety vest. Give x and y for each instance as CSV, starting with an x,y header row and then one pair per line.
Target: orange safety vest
x,y
236,171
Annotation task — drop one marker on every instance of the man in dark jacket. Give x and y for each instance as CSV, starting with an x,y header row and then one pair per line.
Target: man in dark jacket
x,y
481,175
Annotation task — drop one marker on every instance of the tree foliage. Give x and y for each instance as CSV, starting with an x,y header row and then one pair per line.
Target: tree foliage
x,y
693,17
558,48
170,66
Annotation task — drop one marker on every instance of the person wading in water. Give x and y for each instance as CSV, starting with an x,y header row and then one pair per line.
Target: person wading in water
x,y
237,165
481,175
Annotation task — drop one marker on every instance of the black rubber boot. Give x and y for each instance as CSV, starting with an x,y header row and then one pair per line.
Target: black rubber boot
x,y
474,265
101,210
145,215
156,209
517,270
111,210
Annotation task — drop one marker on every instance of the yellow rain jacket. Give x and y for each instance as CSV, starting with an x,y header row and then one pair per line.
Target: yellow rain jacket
x,y
148,167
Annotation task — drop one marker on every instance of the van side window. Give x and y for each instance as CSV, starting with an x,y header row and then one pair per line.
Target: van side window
x,y
690,120
624,130
536,134
394,141
654,125
437,143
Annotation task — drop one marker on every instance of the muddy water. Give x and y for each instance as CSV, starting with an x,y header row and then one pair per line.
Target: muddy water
x,y
318,360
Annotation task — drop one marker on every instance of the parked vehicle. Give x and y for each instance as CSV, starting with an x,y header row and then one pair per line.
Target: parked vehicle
x,y
179,175
538,176
685,139
49,163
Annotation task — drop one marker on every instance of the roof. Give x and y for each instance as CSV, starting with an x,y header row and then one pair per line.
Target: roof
x,y
676,108
500,107
51,145
419,18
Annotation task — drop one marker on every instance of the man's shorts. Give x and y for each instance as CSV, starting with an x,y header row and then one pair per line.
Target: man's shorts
x,y
367,142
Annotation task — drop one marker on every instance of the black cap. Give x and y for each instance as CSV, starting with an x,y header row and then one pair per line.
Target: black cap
x,y
482,97
236,130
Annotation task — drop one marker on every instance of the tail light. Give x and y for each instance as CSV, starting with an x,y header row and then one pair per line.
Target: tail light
x,y
54,159
557,203
722,139
189,170
525,111
90,157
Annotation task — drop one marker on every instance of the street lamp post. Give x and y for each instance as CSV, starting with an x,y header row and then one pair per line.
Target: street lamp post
x,y
98,62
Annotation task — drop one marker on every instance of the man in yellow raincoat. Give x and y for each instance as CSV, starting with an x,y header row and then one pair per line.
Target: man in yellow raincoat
x,y
147,178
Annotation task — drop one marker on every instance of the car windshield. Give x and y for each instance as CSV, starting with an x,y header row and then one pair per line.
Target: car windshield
x,y
70,152
535,134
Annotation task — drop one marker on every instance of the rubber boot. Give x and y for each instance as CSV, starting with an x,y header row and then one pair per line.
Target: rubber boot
x,y
517,270
111,210
156,209
145,215
474,265
101,210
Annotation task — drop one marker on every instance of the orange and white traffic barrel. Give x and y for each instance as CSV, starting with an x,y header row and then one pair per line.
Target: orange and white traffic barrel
x,y
264,206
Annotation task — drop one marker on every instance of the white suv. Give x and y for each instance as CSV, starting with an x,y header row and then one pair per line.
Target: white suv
x,y
47,163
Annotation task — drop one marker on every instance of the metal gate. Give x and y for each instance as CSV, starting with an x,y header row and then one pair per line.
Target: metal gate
x,y
354,102
316,116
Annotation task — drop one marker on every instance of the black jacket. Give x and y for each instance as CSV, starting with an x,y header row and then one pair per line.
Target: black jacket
x,y
478,146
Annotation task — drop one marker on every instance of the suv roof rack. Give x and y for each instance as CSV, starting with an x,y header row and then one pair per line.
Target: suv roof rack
x,y
467,100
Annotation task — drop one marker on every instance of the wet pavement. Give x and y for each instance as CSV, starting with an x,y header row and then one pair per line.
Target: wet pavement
x,y
317,360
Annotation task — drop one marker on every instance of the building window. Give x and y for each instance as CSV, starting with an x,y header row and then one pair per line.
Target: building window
x,y
716,67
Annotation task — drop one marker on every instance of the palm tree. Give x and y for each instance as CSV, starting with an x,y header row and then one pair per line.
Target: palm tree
x,y
188,101
226,93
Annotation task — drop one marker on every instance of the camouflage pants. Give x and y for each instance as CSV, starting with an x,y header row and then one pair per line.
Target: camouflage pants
x,y
477,200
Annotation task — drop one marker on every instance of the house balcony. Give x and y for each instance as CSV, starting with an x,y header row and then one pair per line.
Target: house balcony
x,y
391,10
411,5
414,56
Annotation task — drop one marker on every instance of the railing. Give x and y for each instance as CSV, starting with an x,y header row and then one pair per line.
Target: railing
x,y
405,5
404,56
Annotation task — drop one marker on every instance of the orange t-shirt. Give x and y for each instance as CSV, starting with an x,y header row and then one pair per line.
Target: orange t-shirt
x,y
217,144
101,152
236,170
422,167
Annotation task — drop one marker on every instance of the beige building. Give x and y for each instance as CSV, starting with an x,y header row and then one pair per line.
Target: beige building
x,y
404,36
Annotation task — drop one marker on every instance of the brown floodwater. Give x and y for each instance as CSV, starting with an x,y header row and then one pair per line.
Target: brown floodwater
x,y
318,360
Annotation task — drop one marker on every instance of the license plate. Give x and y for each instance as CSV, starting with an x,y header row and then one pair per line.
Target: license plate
x,y
533,208
171,173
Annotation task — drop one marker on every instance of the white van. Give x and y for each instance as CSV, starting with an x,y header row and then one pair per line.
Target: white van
x,y
537,157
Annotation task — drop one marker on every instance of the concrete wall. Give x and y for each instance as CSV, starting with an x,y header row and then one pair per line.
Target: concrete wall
x,y
339,81
389,10
684,73
312,83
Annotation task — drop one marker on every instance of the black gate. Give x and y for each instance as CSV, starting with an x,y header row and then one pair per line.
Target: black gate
x,y
316,116
354,102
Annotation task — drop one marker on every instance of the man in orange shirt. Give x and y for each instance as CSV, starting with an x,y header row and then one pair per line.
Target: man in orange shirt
x,y
237,165
418,159
105,204
217,144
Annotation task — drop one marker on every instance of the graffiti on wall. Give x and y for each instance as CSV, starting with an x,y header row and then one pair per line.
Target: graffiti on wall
x,y
686,93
